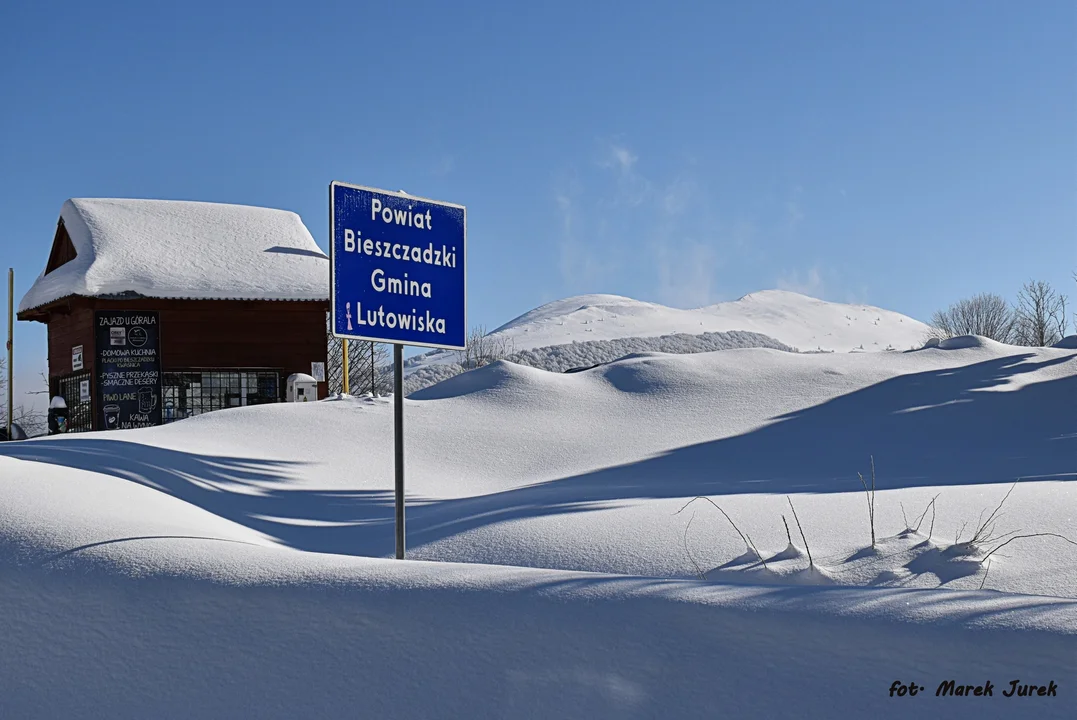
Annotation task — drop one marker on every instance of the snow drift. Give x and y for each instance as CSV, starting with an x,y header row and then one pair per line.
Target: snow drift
x,y
577,355
177,629
208,568
585,471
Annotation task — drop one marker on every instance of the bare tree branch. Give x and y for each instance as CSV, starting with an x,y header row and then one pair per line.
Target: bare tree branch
x,y
1040,316
482,348
986,314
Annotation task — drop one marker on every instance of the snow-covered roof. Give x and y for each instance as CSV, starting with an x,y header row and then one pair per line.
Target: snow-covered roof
x,y
181,249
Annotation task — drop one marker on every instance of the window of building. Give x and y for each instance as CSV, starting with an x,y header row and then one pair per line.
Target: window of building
x,y
194,392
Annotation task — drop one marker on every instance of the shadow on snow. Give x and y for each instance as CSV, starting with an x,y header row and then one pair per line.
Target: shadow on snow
x,y
948,427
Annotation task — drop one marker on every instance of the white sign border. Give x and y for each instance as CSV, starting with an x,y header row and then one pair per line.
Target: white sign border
x,y
332,275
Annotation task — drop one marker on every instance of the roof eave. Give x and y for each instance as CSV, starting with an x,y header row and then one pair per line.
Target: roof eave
x,y
40,312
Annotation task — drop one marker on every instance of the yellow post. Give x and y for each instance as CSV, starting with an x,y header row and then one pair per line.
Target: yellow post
x,y
345,367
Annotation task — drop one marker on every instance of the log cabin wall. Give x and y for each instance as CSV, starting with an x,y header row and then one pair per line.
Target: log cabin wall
x,y
205,333
284,336
201,334
69,325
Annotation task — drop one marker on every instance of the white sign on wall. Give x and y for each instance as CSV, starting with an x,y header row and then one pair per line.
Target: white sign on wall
x,y
317,371
76,358
84,391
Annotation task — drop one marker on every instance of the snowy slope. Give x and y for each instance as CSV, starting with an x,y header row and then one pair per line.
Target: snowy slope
x,y
803,322
584,471
210,564
180,249
579,355
168,628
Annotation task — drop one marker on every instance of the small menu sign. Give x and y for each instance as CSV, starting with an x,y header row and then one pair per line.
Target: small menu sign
x,y
128,369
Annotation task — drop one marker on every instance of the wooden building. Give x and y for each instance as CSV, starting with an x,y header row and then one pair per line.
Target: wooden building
x,y
159,310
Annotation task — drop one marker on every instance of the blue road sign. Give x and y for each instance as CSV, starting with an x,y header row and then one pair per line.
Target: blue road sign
x,y
397,267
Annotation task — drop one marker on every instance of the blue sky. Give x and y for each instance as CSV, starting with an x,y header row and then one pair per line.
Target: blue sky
x,y
901,154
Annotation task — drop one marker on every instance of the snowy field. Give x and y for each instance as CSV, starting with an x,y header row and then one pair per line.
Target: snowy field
x,y
211,565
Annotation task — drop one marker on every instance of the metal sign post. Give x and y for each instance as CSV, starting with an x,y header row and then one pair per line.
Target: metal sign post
x,y
397,275
10,349
398,437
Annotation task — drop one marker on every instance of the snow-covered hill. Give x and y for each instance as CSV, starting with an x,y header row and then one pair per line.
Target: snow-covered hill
x,y
794,319
789,318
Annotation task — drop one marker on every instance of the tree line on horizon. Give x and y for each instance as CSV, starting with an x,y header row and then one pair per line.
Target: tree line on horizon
x,y
1038,318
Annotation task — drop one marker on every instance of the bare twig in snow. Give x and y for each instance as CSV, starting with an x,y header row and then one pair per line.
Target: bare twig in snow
x,y
787,535
983,532
700,497
1000,538
903,517
930,506
811,563
871,498
748,544
960,532
688,552
757,553
986,570
1030,535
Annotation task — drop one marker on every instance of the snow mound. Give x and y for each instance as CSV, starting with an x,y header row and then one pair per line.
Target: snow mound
x,y
499,376
558,358
575,355
585,471
429,375
964,342
513,465
179,249
1067,343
